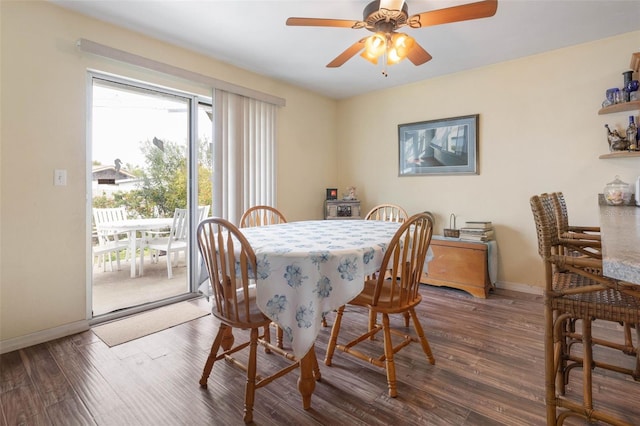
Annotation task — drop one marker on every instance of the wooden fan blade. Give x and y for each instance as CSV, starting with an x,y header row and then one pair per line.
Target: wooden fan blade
x,y
347,54
320,22
418,55
465,12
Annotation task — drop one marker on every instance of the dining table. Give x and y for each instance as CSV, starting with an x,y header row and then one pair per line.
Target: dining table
x,y
620,234
309,268
131,227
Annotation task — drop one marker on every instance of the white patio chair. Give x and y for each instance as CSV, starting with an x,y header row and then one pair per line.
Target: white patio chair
x,y
203,213
175,241
109,242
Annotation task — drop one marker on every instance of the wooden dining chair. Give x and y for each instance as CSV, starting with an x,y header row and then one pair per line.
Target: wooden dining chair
x,y
394,290
231,264
260,216
388,213
574,292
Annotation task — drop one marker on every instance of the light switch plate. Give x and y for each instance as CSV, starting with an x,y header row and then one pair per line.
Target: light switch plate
x,y
60,177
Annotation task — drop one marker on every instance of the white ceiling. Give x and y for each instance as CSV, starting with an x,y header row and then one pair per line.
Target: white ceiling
x,y
253,35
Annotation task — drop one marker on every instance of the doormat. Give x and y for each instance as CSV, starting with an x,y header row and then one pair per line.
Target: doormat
x,y
136,326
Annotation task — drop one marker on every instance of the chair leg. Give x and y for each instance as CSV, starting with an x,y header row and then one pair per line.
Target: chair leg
x,y
587,365
279,337
388,354
212,355
549,364
267,338
169,270
406,319
423,339
636,372
250,389
141,268
372,322
333,340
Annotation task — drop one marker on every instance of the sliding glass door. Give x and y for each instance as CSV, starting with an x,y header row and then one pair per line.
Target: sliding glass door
x,y
142,192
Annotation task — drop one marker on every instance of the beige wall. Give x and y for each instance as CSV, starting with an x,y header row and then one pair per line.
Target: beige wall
x,y
539,132
43,244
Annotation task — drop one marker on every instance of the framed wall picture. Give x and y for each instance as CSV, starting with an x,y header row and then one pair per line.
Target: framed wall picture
x,y
439,147
332,193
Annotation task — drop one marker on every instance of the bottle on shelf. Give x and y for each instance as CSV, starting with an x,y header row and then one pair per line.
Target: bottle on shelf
x,y
632,133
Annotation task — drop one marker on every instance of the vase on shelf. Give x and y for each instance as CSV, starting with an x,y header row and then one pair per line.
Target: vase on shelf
x,y
630,86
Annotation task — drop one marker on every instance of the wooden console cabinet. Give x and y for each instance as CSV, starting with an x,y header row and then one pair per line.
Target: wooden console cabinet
x,y
459,264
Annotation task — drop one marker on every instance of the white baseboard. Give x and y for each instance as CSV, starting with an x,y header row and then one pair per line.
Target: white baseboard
x,y
523,288
10,345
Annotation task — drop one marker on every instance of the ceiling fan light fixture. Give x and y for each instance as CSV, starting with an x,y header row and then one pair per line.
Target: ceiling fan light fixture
x,y
374,46
372,59
393,57
399,48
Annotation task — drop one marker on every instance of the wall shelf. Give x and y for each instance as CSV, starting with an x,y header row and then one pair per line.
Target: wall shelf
x,y
623,107
621,154
626,106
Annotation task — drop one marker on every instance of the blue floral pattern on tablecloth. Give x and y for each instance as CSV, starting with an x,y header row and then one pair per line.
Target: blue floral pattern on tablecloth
x,y
309,268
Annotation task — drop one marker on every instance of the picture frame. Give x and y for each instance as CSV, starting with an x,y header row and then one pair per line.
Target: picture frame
x,y
439,147
332,193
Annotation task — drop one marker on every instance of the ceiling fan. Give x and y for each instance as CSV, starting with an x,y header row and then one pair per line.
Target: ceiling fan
x,y
384,18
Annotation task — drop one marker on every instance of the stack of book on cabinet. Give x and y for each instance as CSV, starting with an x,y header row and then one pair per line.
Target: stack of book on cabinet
x,y
477,231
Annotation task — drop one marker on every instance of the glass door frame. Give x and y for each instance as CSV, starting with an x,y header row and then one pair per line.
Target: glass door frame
x,y
194,102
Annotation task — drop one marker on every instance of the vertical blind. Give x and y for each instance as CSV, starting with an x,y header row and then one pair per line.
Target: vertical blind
x,y
244,154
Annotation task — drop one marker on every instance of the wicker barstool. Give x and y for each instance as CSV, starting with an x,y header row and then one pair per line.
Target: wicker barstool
x,y
573,292
587,242
586,238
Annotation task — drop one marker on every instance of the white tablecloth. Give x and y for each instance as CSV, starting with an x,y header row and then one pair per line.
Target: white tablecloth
x,y
309,268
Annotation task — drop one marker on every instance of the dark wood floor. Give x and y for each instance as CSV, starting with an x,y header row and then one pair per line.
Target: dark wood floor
x,y
489,371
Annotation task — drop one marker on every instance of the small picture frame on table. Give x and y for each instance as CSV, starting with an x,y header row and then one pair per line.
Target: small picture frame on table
x,y
332,193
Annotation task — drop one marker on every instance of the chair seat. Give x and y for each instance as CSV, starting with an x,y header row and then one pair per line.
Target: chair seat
x,y
110,246
255,314
608,304
162,243
365,298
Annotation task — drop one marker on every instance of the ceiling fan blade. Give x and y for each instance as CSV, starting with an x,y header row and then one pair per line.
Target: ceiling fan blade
x,y
417,55
347,54
320,22
465,12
